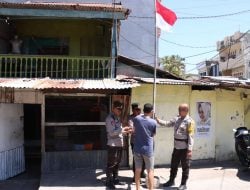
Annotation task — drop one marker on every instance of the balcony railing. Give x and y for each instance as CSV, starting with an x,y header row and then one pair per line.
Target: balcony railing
x,y
65,67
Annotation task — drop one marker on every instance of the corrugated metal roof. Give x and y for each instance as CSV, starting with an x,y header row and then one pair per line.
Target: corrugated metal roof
x,y
47,83
145,67
227,79
169,81
218,82
66,6
122,82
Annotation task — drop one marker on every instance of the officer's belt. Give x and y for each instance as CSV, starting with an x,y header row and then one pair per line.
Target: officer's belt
x,y
183,140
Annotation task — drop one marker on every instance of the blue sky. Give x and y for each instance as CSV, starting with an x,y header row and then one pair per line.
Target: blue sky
x,y
202,32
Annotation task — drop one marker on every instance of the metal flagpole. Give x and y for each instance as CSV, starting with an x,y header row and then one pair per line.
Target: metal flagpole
x,y
156,61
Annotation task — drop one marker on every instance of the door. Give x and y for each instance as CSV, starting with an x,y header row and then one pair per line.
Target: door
x,y
32,138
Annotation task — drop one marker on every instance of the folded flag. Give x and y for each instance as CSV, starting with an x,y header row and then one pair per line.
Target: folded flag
x,y
165,18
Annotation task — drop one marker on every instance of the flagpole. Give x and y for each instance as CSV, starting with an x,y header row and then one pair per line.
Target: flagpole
x,y
155,62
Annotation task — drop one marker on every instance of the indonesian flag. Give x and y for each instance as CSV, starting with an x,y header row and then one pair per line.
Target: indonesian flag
x,y
165,18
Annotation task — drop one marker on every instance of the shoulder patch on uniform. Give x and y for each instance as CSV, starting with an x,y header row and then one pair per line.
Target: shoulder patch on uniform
x,y
191,127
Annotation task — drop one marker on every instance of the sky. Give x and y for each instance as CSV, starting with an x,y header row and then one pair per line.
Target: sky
x,y
202,32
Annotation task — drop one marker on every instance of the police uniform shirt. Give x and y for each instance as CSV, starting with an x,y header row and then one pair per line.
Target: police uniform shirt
x,y
114,131
183,131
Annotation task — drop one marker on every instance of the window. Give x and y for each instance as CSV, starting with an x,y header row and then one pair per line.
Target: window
x,y
222,59
76,109
76,123
203,74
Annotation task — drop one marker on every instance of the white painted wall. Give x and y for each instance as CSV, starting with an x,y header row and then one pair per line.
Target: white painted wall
x,y
167,101
229,115
11,140
247,111
11,126
227,112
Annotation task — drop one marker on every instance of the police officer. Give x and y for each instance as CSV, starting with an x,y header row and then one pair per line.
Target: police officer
x,y
183,143
115,133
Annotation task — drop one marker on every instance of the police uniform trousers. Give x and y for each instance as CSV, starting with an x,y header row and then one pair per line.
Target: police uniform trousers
x,y
180,156
114,160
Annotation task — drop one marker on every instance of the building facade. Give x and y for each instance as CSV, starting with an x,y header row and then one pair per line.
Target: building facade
x,y
137,32
233,59
57,84
208,68
60,84
226,110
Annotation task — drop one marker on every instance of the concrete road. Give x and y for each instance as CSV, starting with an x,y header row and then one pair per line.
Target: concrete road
x,y
28,180
213,176
220,176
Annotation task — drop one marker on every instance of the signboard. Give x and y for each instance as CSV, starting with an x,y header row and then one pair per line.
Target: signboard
x,y
203,119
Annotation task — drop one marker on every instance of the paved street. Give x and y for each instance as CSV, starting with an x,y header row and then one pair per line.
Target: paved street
x,y
220,176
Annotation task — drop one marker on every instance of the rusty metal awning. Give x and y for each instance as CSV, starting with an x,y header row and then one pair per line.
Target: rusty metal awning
x,y
65,6
165,81
63,9
81,84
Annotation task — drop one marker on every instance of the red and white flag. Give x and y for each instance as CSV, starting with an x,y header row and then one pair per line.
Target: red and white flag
x,y
165,18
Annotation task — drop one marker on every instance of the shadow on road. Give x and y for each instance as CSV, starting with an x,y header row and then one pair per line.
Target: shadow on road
x,y
88,178
243,173
75,178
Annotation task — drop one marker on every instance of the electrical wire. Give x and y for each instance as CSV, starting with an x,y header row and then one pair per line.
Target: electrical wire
x,y
186,46
199,17
135,45
195,55
236,41
226,48
167,41
210,5
216,16
138,47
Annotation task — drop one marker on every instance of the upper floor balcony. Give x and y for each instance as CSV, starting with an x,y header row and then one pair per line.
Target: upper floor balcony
x,y
59,40
63,67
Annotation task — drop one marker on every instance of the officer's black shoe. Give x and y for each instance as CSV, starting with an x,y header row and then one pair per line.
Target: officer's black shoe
x,y
169,183
118,182
110,184
182,187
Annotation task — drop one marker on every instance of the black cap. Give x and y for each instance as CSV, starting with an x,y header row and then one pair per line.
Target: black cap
x,y
135,105
117,104
147,108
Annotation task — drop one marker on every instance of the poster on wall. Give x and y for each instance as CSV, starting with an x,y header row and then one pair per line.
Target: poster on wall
x,y
203,121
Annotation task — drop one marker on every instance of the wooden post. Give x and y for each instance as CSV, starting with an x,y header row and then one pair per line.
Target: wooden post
x,y
43,132
113,48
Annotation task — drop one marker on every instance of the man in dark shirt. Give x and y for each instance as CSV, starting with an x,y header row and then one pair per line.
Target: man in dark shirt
x,y
144,131
135,112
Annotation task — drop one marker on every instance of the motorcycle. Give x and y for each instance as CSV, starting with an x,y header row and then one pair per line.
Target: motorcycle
x,y
242,145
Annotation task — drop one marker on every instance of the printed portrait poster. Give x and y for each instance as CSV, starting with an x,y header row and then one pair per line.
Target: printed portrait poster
x,y
203,121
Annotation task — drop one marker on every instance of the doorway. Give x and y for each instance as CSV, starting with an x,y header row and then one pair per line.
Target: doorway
x,y
32,138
